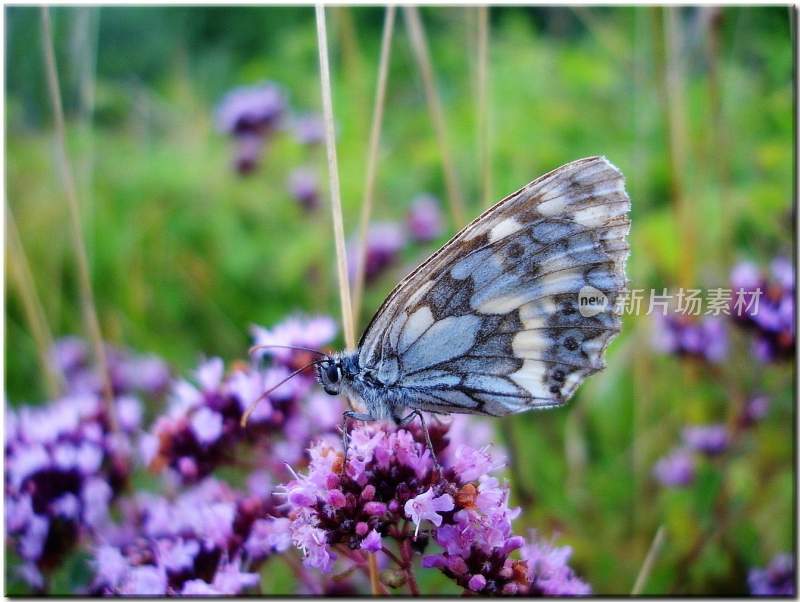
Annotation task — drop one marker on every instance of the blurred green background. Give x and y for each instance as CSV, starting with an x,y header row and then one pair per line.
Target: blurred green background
x,y
694,105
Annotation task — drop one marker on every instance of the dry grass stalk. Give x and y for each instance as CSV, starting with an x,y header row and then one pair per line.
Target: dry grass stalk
x,y
76,229
372,159
484,154
21,273
333,176
423,58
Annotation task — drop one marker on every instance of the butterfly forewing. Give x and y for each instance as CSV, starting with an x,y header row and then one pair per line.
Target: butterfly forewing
x,y
491,323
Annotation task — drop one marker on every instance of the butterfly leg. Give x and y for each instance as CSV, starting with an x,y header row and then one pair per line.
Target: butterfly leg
x,y
346,417
407,419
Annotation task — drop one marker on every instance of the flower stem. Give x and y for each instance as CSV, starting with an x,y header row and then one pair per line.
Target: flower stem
x,y
374,580
392,556
408,567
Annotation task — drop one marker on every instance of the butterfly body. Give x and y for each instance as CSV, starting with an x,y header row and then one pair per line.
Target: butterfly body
x,y
494,323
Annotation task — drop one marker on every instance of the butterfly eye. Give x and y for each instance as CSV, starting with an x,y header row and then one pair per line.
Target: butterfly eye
x,y
332,372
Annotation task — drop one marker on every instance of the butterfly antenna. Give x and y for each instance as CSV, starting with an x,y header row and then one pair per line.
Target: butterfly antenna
x,y
265,394
255,348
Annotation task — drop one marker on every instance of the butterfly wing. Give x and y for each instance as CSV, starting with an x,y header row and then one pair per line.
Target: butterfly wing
x,y
491,322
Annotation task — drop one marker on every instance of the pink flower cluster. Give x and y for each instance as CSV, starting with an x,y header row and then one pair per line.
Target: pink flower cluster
x,y
390,494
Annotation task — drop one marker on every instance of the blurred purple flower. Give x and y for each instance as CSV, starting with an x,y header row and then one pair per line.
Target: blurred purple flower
x,y
778,579
766,308
385,240
679,335
312,332
130,373
64,466
711,440
304,188
424,219
193,544
69,354
677,469
254,109
206,425
201,428
548,571
755,409
249,148
309,129
250,115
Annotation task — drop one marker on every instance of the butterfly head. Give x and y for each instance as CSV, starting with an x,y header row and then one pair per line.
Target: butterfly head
x,y
329,374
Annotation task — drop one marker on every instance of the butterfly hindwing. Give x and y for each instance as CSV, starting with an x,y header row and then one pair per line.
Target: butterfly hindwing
x,y
490,323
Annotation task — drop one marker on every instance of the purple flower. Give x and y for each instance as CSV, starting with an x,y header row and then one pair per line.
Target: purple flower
x,y
745,275
477,583
471,463
202,425
679,335
64,467
312,332
755,409
765,307
677,469
778,579
251,110
372,542
359,503
69,354
710,440
206,425
427,507
144,581
309,129
304,188
249,148
110,565
148,374
548,571
198,587
251,115
269,536
424,219
178,544
130,373
783,272
231,581
385,240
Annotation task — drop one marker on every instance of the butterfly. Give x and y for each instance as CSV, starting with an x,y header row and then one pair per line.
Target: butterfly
x,y
510,315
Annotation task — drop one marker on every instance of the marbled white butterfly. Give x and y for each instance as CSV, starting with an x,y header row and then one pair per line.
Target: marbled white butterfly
x,y
492,322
